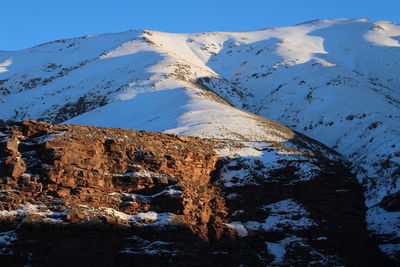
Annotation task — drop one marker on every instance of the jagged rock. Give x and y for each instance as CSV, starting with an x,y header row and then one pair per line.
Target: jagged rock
x,y
391,202
122,197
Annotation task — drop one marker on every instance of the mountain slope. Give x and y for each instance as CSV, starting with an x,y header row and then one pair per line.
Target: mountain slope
x,y
336,81
138,86
93,196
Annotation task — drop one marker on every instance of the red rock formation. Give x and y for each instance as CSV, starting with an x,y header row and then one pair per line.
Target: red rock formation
x,y
98,196
95,166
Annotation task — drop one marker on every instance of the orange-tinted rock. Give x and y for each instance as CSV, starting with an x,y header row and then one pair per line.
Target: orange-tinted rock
x,y
86,176
96,166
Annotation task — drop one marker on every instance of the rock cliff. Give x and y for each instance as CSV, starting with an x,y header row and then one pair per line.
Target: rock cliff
x,y
81,195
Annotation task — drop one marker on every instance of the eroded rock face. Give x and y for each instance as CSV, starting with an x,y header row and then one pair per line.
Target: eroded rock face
x,y
79,195
128,171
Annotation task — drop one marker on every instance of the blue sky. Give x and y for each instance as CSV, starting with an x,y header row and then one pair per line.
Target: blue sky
x,y
25,23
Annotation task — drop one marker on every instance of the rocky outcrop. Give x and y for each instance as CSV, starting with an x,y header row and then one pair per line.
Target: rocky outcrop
x,y
128,171
81,195
316,222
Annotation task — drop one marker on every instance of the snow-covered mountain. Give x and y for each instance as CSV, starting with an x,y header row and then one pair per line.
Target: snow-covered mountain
x,y
337,81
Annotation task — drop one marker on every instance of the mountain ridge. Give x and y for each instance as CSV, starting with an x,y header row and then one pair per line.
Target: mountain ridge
x,y
333,80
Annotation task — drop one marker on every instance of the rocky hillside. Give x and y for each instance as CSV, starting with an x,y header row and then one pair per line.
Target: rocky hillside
x,y
336,81
81,195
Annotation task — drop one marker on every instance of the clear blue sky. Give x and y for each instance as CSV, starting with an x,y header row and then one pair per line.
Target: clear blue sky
x,y
25,23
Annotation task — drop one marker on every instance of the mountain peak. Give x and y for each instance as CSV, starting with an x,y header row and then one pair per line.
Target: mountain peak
x,y
335,81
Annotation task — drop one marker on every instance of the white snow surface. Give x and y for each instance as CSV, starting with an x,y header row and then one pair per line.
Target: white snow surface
x,y
141,219
334,80
145,87
278,249
239,228
261,158
387,224
285,214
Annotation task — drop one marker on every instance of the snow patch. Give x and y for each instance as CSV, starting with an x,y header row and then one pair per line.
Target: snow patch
x,y
283,215
238,227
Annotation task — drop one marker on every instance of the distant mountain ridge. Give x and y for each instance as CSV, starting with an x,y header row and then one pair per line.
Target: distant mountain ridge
x,y
337,81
